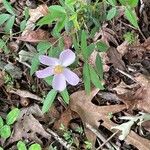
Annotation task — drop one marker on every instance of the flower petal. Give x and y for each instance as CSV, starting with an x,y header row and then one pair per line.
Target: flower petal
x,y
45,72
59,82
67,57
49,61
71,77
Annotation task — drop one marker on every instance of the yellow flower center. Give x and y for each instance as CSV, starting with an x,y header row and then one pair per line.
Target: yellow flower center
x,y
58,69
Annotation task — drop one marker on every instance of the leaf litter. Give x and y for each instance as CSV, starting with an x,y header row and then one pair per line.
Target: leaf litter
x,y
116,117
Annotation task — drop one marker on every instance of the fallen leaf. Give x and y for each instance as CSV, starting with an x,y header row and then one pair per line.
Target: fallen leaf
x,y
34,36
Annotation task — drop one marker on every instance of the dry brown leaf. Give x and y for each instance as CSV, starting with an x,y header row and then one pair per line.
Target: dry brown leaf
x,y
115,58
35,36
35,14
91,114
28,127
25,94
137,97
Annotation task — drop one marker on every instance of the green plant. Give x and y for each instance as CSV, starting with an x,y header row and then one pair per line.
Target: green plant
x,y
88,145
129,37
5,126
68,136
22,146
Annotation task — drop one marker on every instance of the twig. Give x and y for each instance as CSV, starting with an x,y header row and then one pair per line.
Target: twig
x,y
126,74
60,140
100,136
107,140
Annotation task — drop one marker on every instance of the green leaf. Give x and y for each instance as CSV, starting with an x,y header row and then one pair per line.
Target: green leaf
x,y
5,131
90,48
35,147
23,25
9,24
49,100
8,7
123,2
12,116
84,45
21,146
101,46
86,78
1,122
1,148
49,80
2,44
34,64
95,79
131,16
111,13
133,3
65,96
99,66
112,2
42,47
3,18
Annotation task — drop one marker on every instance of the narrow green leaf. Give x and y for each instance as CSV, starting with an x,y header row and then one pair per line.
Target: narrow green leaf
x,y
101,46
49,100
131,16
5,131
42,47
8,7
65,96
12,116
35,147
84,45
111,13
9,24
3,18
86,78
90,48
2,44
112,2
95,79
49,80
23,25
21,146
99,66
34,64
1,122
123,2
1,148
133,3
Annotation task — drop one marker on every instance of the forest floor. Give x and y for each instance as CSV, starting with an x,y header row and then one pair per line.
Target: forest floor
x,y
111,39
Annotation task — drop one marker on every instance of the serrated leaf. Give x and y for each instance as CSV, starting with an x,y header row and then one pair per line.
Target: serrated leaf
x,y
9,24
49,100
12,116
101,46
95,79
35,147
86,78
5,131
21,146
111,13
34,64
3,18
99,66
42,47
1,122
65,96
8,7
131,16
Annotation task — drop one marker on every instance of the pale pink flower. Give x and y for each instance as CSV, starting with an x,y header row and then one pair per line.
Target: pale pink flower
x,y
58,68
